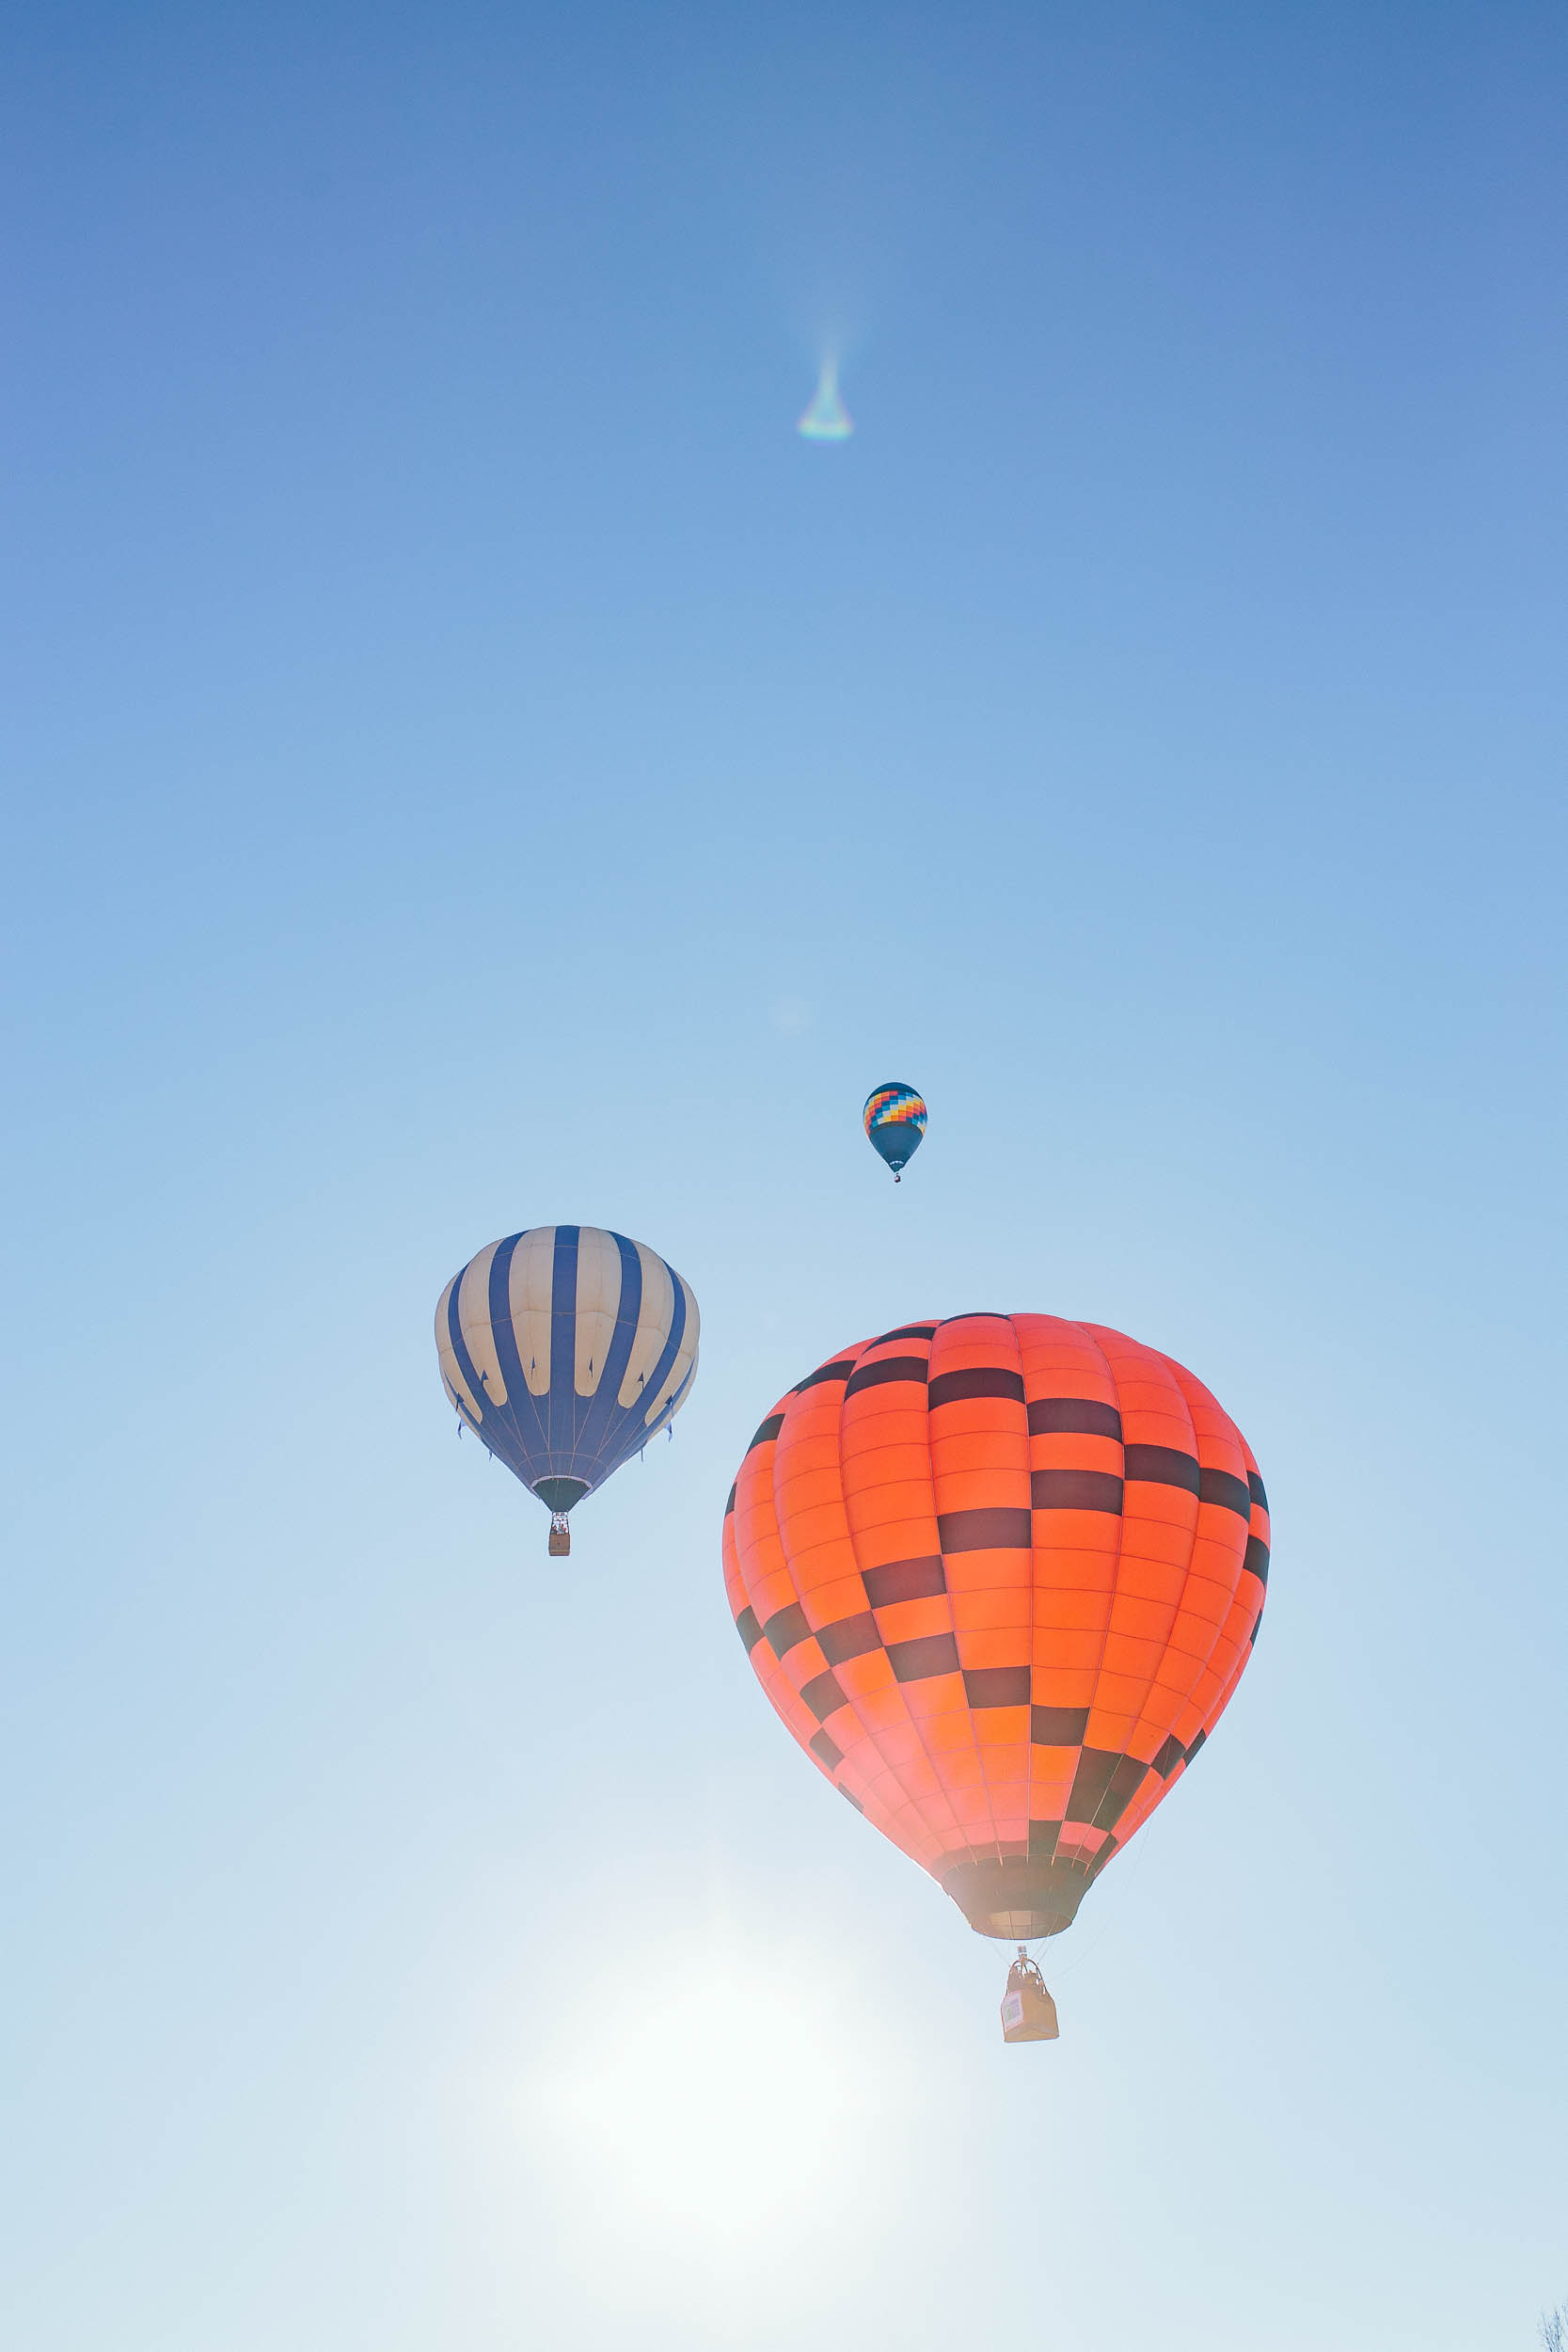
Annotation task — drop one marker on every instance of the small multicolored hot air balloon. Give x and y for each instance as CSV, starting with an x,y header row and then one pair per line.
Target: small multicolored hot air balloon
x,y
566,1348
894,1120
1000,1576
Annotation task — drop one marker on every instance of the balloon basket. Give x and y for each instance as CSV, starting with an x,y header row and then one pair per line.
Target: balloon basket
x,y
561,1536
1028,2012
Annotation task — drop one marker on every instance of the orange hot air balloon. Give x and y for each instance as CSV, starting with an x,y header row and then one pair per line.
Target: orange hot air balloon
x,y
1000,1575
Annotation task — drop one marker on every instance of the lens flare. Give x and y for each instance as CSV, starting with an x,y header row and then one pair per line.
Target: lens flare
x,y
707,2098
826,418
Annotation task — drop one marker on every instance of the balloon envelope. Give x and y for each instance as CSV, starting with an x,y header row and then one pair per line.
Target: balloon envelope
x,y
894,1118
566,1348
999,1576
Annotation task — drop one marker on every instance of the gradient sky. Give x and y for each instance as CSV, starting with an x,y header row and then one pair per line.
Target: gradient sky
x,y
469,764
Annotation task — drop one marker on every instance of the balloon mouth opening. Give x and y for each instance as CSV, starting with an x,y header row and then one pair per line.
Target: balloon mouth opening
x,y
559,1494
1016,1900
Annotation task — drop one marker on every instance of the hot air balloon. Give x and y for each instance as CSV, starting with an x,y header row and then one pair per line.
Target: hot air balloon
x,y
894,1120
1000,1576
566,1348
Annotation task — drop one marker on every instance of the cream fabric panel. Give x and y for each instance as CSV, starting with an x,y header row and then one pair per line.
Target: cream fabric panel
x,y
654,1317
452,1372
598,1304
473,1321
529,1297
685,1354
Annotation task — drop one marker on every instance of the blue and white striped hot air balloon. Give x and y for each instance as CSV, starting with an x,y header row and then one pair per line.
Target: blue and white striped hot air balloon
x,y
566,1348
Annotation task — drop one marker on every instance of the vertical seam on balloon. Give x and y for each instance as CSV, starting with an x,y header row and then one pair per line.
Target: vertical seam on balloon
x,y
605,1413
746,1584
665,1360
1033,1594
910,1797
1116,1571
1210,1715
1179,1376
466,1363
651,1334
672,1403
560,1339
1227,1690
1186,1579
443,1338
496,1287
784,1551
521,1406
778,1533
908,1794
1029,1635
969,1714
572,1400
1253,1471
1192,1550
495,1434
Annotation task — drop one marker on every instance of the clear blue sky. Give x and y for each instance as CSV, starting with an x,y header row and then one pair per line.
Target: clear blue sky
x,y
469,764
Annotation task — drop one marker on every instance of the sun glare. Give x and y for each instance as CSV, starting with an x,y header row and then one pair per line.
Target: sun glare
x,y
710,2095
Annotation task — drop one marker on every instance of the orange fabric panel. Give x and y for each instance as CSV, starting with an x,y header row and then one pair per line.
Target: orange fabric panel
x,y
999,1576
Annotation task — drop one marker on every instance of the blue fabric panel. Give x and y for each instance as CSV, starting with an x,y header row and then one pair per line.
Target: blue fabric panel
x,y
519,1432
561,1402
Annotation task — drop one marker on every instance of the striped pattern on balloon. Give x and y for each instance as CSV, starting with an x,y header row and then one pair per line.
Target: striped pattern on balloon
x,y
566,1348
895,1119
